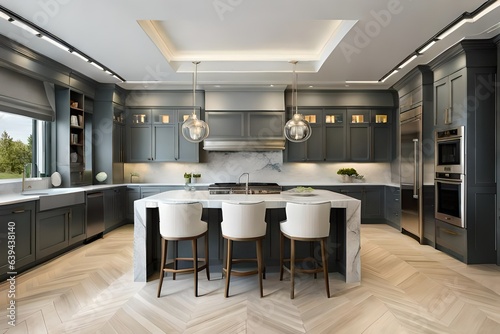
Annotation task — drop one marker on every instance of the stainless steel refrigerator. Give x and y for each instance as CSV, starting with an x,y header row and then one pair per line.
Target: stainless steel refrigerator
x,y
411,172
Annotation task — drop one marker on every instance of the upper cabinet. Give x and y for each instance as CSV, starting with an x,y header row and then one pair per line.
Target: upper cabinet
x,y
154,135
450,102
345,134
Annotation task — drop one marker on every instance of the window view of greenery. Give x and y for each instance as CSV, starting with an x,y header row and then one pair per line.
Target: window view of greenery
x,y
16,143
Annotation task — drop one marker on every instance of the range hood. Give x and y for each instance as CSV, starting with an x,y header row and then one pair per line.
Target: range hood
x,y
245,120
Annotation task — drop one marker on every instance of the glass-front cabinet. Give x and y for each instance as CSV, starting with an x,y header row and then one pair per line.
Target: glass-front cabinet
x,y
154,135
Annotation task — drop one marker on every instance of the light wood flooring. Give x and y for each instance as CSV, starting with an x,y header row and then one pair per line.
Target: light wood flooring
x,y
405,288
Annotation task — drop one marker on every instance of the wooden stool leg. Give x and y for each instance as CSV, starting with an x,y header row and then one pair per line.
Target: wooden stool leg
x,y
229,260
194,244
206,256
282,254
325,266
176,247
292,268
259,265
162,264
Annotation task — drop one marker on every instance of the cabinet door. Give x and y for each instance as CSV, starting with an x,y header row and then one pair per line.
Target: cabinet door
x,y
77,225
139,143
17,221
458,98
51,231
372,205
164,141
381,142
441,102
359,142
133,193
335,143
118,142
186,151
119,205
109,197
335,135
295,152
315,144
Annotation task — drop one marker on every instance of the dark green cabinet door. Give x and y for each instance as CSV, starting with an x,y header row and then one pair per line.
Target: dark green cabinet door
x,y
458,98
109,198
296,151
18,222
51,231
118,142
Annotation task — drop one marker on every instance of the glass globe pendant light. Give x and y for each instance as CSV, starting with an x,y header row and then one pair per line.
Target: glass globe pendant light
x,y
193,129
297,129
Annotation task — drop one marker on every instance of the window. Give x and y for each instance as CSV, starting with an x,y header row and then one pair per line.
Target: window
x,y
22,141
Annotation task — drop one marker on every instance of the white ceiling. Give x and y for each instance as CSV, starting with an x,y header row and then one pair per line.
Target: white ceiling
x,y
152,43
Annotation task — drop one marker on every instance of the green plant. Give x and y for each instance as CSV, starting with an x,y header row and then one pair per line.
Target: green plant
x,y
187,175
347,171
196,175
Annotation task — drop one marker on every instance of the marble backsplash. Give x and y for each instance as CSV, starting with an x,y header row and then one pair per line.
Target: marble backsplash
x,y
262,166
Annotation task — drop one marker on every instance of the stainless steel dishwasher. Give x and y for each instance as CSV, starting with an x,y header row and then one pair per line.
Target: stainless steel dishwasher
x,y
95,213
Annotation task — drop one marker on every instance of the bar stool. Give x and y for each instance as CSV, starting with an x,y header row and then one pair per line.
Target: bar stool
x,y
243,222
305,222
180,222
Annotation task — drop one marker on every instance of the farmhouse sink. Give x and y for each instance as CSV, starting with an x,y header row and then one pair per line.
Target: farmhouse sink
x,y
57,197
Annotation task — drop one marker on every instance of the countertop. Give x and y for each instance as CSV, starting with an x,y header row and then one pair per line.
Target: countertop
x,y
35,194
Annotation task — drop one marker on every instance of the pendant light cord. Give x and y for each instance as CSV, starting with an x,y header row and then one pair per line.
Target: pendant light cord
x,y
195,77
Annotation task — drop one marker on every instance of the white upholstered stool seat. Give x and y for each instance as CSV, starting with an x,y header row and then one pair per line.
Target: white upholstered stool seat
x,y
181,222
305,222
243,222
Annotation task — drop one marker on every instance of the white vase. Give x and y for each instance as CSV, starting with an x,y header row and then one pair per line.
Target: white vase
x,y
346,178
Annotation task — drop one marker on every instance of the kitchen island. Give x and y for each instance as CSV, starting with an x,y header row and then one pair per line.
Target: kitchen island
x,y
146,216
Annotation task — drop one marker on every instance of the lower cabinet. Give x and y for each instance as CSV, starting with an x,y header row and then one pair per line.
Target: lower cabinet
x,y
59,228
393,207
372,201
114,207
17,234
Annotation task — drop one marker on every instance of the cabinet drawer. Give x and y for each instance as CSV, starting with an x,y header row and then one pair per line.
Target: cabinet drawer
x,y
452,240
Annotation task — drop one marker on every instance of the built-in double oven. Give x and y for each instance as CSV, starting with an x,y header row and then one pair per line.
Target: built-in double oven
x,y
450,178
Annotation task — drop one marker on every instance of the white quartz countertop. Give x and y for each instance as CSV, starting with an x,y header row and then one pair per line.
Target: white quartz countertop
x,y
271,200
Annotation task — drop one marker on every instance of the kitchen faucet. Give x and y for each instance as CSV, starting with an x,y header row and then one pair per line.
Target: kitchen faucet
x,y
30,171
246,184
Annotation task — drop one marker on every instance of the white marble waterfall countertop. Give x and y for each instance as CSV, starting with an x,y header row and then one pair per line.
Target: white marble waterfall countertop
x,y
352,206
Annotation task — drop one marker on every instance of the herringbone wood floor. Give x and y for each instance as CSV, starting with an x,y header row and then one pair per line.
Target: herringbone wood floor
x,y
405,288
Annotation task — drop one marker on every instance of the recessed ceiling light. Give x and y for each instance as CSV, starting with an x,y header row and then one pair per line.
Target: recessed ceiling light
x,y
24,27
56,43
427,47
4,16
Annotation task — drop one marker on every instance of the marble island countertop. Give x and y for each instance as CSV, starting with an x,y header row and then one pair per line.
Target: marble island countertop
x,y
351,205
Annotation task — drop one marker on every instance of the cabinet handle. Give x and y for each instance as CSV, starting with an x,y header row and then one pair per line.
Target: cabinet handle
x,y
448,231
415,168
19,211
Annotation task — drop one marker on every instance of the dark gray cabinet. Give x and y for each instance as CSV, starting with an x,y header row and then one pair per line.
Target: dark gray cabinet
x,y
312,149
393,207
335,135
17,223
114,207
372,200
77,224
59,228
340,134
132,194
450,102
154,135
51,231
464,91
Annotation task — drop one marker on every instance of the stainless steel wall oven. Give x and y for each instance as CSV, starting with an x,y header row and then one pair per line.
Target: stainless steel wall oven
x,y
450,151
450,198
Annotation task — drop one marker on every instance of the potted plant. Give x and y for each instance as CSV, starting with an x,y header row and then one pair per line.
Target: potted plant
x,y
347,174
187,178
195,177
